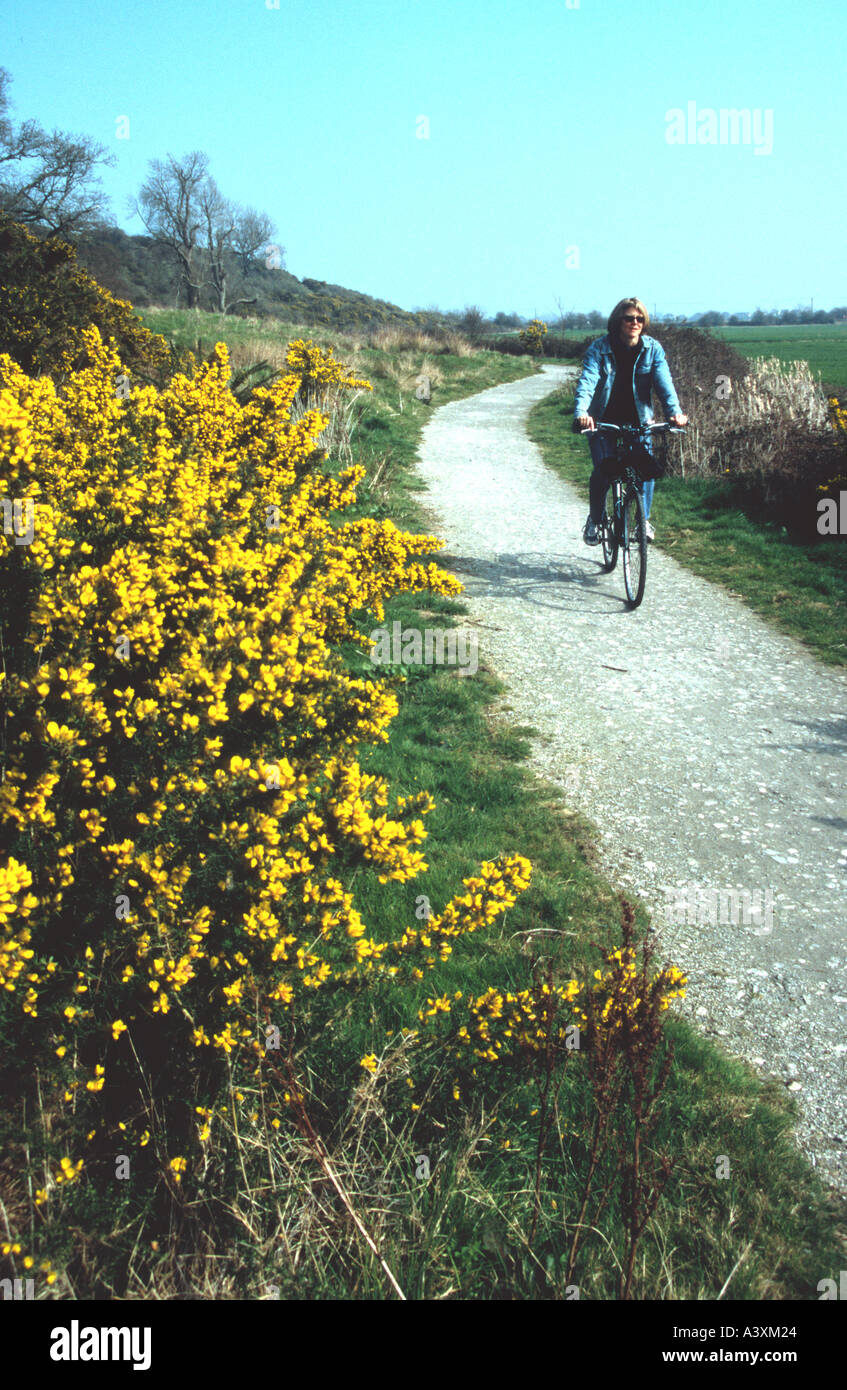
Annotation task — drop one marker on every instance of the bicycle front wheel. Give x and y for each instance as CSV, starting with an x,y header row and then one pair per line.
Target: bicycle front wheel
x,y
609,531
634,547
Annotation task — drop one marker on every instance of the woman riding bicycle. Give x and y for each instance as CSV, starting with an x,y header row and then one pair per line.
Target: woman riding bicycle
x,y
619,373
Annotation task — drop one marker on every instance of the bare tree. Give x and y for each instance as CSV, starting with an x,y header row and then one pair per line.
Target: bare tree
x,y
169,205
562,321
252,231
219,219
49,179
182,207
472,323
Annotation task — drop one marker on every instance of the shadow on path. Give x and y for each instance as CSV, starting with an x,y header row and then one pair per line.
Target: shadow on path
x,y
546,580
834,730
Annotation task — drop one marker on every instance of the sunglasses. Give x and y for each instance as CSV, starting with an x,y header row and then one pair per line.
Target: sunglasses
x,y
633,318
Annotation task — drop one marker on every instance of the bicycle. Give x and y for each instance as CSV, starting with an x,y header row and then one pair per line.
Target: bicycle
x,y
623,524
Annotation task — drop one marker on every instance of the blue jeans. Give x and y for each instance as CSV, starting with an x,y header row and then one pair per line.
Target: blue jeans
x,y
603,448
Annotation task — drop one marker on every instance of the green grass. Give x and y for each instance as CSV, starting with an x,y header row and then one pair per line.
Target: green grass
x,y
800,588
822,345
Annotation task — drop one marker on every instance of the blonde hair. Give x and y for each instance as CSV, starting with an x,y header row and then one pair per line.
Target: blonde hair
x,y
620,309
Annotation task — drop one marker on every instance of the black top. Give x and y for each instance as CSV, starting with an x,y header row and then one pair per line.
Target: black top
x,y
621,408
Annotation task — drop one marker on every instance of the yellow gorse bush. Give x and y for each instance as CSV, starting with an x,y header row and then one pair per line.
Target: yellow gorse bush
x,y
497,1024
625,998
838,417
47,299
318,369
328,386
838,421
181,797
533,335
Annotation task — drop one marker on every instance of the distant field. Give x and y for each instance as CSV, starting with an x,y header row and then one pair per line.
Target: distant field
x,y
822,345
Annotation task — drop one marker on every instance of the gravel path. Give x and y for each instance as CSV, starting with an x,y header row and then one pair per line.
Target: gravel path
x,y
729,739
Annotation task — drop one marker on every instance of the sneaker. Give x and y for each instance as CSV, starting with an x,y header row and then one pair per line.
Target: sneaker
x,y
649,532
590,533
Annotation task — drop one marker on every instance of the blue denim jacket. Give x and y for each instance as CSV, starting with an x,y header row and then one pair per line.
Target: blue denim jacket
x,y
598,374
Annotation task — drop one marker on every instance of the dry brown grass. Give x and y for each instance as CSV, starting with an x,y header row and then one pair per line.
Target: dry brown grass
x,y
768,408
257,349
407,369
397,338
459,345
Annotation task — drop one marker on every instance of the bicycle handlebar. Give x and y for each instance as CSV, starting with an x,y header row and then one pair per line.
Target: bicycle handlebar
x,y
636,429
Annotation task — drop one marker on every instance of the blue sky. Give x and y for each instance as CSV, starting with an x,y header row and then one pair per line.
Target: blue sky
x,y
547,131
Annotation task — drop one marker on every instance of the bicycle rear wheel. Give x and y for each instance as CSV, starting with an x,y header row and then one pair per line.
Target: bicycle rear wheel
x,y
634,547
609,531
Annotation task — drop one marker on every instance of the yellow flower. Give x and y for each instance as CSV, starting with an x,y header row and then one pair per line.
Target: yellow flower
x,y
178,1167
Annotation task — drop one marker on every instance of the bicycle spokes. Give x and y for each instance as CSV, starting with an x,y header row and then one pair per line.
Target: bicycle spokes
x,y
634,547
610,533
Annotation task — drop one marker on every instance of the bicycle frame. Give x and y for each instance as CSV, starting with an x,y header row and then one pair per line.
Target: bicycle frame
x,y
625,529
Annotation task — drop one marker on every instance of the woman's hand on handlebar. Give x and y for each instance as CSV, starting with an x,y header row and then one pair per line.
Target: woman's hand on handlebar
x,y
585,422
679,420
